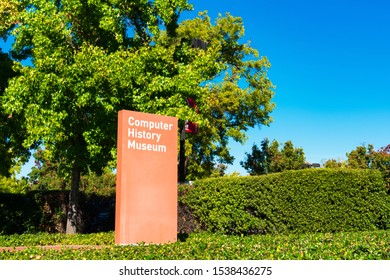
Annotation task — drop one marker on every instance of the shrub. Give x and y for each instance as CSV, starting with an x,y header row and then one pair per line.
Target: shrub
x,y
41,205
18,214
311,200
45,211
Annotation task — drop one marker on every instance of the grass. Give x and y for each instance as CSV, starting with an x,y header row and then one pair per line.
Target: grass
x,y
206,246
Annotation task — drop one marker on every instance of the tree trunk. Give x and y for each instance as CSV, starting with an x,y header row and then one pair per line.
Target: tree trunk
x,y
73,215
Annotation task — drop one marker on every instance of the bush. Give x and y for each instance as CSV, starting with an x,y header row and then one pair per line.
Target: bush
x,y
319,200
45,211
311,200
18,214
42,204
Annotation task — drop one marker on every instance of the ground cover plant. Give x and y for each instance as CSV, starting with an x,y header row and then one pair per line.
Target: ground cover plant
x,y
372,245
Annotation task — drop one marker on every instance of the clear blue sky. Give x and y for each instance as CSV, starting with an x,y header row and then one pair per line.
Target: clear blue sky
x,y
331,67
330,62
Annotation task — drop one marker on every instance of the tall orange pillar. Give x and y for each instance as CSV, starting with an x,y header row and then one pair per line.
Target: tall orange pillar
x,y
146,184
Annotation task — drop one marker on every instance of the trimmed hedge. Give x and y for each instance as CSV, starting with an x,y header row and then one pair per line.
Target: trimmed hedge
x,y
18,213
44,211
310,200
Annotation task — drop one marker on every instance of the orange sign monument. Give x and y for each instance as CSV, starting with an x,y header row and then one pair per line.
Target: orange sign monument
x,y
146,186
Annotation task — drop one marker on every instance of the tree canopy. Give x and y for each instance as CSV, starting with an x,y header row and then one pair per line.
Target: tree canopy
x,y
366,157
270,159
88,59
12,128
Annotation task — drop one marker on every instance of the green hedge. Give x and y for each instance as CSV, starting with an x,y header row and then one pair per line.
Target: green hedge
x,y
310,200
44,211
19,213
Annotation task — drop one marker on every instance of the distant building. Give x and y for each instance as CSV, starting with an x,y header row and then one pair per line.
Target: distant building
x,y
311,165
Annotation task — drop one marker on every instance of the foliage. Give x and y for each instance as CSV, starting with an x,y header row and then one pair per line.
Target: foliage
x,y
41,238
366,158
310,200
18,214
237,98
314,246
12,185
46,175
381,162
99,184
12,128
258,161
332,163
268,159
47,193
95,68
43,210
90,59
361,157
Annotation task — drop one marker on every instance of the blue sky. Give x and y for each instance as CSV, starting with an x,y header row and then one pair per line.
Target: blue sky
x,y
330,62
331,67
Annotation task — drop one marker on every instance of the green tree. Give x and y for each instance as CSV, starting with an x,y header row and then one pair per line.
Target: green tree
x,y
365,157
236,98
9,11
90,59
269,159
381,161
361,157
256,163
12,128
332,163
292,158
274,158
46,175
46,172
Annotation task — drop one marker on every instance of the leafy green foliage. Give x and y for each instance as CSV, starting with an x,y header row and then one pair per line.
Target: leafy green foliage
x,y
366,158
36,211
360,158
46,175
90,59
332,163
8,10
328,246
93,58
269,159
12,128
12,185
18,214
39,239
320,200
238,96
381,162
